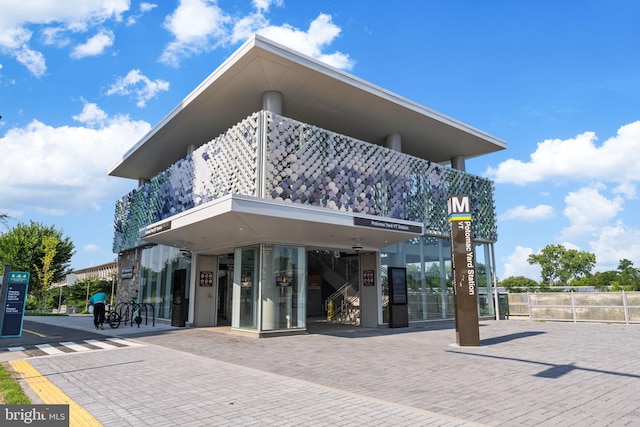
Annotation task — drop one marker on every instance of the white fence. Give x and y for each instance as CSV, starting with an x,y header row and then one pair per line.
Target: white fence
x,y
604,307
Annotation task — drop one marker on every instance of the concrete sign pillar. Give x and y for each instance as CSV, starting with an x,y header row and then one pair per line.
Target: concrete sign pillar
x,y
464,271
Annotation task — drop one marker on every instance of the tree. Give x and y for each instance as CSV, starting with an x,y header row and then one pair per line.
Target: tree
x,y
628,275
42,251
519,284
628,278
46,272
560,265
600,280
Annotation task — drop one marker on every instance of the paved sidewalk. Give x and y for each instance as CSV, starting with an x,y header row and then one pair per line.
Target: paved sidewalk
x,y
525,373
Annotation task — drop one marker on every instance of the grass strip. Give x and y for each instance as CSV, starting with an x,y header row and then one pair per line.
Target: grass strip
x,y
10,391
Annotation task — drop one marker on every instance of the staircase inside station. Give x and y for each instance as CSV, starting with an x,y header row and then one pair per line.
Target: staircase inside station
x,y
334,286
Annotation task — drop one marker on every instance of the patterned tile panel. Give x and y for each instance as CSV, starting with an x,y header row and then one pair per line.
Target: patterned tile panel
x,y
225,165
308,165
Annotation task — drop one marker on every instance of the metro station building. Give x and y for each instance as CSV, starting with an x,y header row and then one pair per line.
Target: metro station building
x,y
281,190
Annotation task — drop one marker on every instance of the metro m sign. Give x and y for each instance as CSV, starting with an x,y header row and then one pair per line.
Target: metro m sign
x,y
459,206
464,271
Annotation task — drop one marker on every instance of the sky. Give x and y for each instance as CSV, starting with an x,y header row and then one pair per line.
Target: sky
x,y
81,81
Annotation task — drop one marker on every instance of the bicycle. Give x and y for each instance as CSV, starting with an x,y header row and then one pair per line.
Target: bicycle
x,y
112,317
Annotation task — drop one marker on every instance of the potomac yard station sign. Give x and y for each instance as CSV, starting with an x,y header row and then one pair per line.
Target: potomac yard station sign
x,y
464,271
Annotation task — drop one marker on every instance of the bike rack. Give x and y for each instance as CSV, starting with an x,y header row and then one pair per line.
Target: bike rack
x,y
127,310
146,307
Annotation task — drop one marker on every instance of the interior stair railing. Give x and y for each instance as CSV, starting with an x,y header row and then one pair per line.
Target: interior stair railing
x,y
343,306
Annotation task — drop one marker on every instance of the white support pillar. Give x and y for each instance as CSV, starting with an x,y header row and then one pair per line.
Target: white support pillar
x,y
394,142
272,101
457,162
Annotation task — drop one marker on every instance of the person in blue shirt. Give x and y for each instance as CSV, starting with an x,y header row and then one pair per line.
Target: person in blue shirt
x,y
98,300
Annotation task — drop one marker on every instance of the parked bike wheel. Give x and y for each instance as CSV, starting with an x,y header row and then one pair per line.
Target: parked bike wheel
x,y
114,320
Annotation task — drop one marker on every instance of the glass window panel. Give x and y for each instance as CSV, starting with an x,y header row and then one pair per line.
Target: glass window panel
x,y
157,264
483,279
428,264
283,285
246,288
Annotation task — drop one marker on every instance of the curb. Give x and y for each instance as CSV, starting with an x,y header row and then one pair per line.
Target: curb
x,y
51,394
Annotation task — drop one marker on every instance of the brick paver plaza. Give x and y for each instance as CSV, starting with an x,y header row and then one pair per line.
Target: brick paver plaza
x,y
524,374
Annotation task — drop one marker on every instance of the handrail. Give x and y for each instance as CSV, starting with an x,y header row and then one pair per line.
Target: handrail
x,y
349,296
342,288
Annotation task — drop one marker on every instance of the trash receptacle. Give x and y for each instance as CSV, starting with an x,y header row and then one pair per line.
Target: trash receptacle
x,y
179,302
178,314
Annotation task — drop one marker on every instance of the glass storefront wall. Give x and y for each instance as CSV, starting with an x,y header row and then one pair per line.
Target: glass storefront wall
x,y
484,279
158,266
269,288
428,263
246,288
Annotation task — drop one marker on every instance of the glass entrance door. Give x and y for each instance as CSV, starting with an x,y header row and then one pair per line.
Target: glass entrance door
x,y
269,288
225,291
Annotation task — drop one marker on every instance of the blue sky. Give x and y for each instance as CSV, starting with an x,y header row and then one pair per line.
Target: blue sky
x,y
82,80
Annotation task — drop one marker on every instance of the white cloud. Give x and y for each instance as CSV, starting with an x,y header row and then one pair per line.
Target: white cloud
x,y
587,210
90,247
627,190
56,36
139,85
264,5
322,31
200,26
614,243
18,16
95,45
91,115
78,158
144,8
577,159
195,24
521,212
516,264
33,60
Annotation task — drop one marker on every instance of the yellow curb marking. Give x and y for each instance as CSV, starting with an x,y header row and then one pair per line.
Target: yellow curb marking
x,y
34,333
51,394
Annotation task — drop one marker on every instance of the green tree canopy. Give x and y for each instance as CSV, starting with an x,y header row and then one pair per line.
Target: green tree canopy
x,y
628,277
561,265
519,284
42,251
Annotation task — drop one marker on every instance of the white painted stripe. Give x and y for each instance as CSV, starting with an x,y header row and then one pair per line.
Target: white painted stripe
x,y
100,344
49,349
74,346
125,342
16,349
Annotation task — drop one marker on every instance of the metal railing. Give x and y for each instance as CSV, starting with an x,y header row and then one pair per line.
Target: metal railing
x,y
603,307
341,304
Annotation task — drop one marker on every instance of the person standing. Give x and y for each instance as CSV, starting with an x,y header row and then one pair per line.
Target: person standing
x,y
98,300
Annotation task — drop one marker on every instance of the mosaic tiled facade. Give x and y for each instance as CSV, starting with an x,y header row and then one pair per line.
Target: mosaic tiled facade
x,y
308,165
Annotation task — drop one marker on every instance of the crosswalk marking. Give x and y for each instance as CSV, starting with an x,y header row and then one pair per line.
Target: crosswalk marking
x,y
49,349
74,346
101,344
124,342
